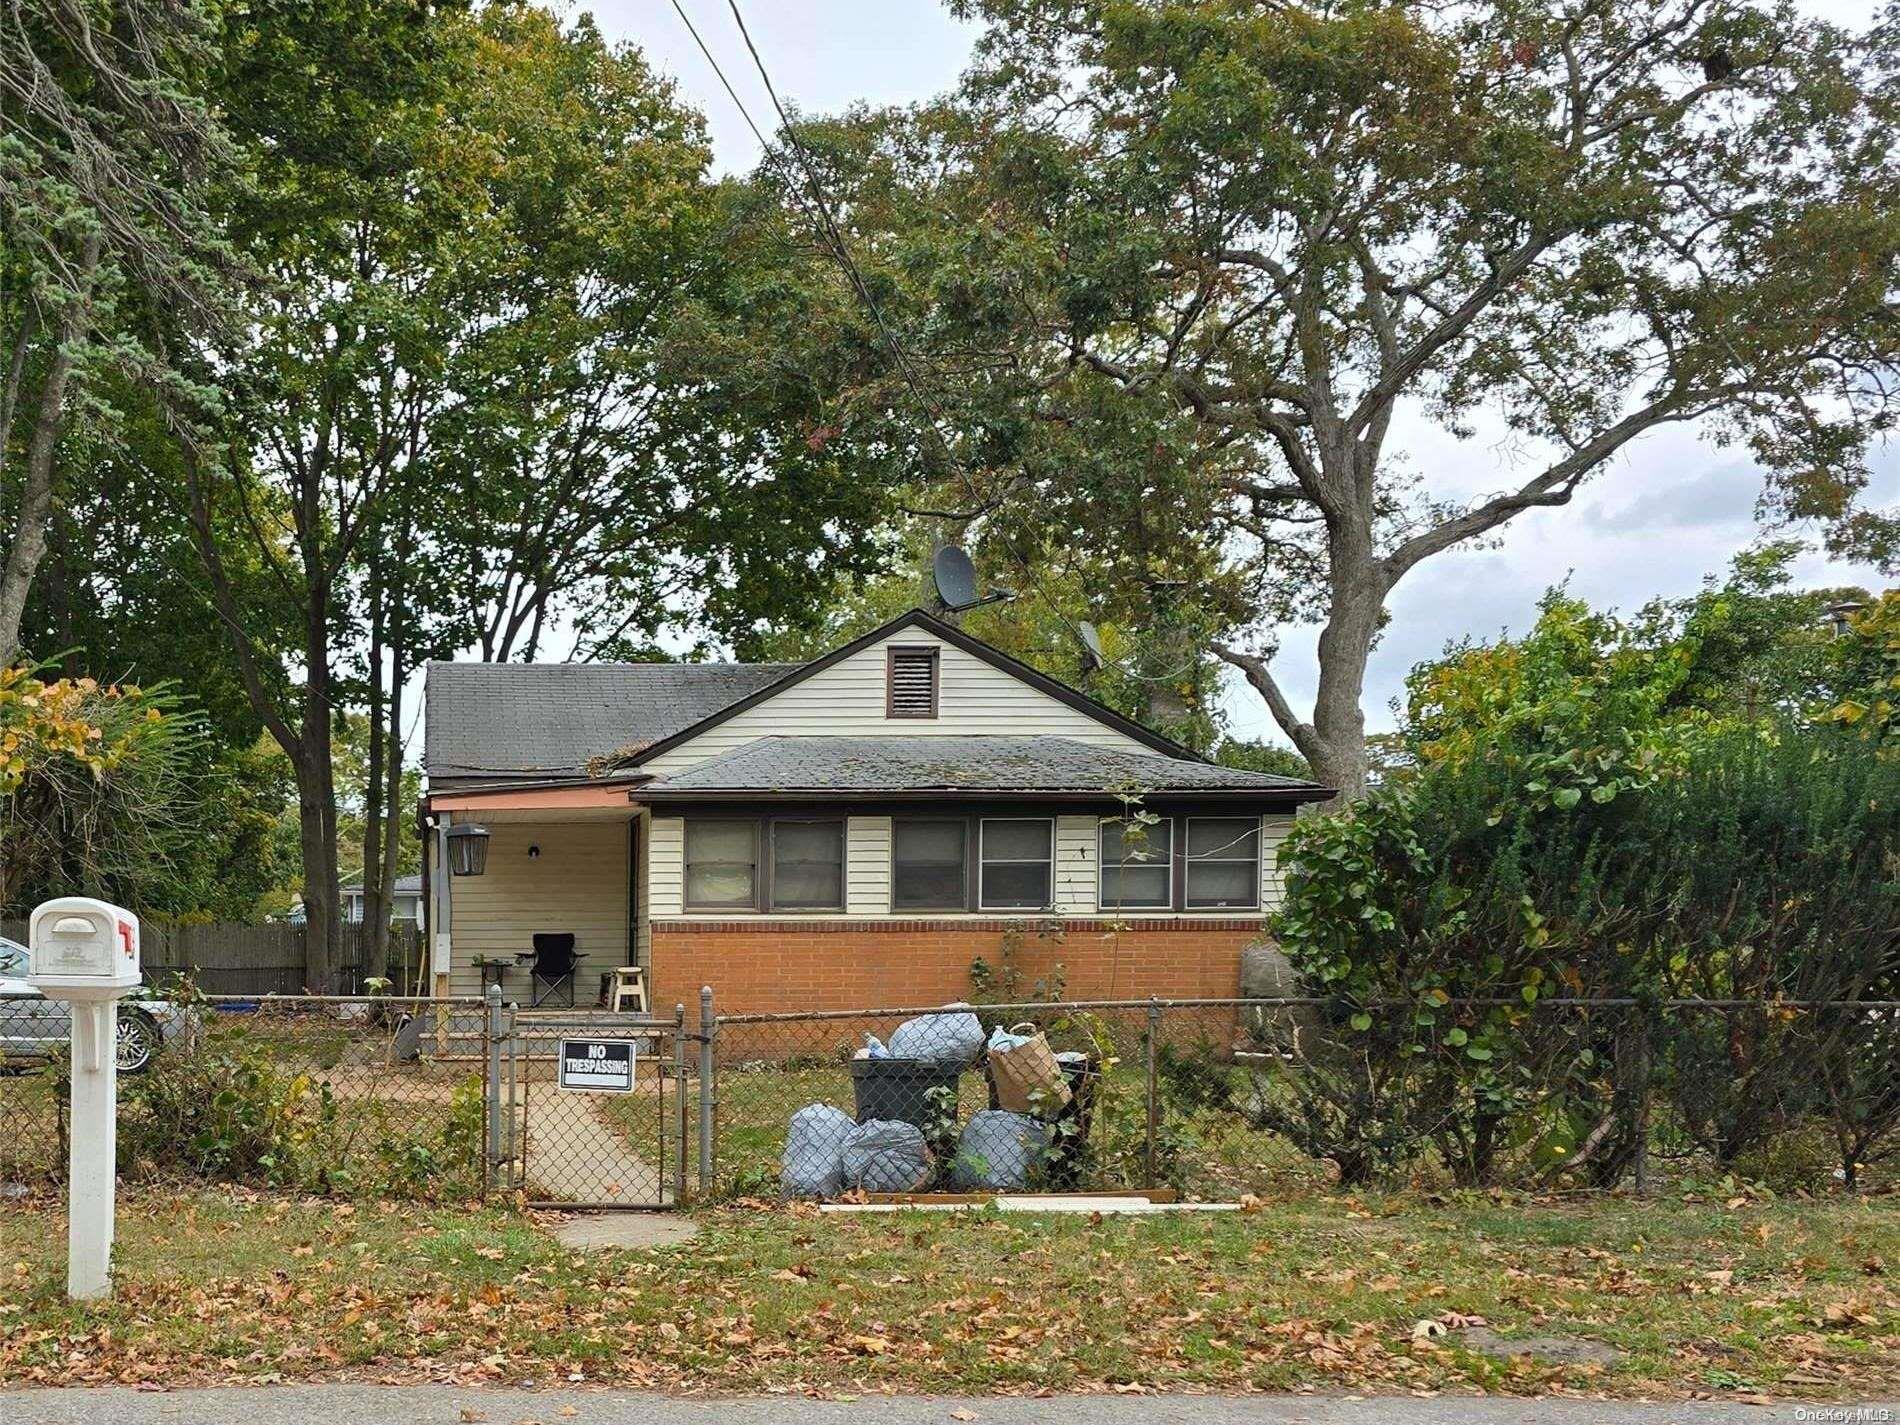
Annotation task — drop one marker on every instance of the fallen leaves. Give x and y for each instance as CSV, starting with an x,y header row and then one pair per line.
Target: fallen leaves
x,y
1293,1295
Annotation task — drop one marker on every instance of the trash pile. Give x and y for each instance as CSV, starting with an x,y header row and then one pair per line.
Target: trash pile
x,y
907,1136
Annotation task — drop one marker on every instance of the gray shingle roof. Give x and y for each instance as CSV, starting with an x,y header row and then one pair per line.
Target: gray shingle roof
x,y
973,764
496,722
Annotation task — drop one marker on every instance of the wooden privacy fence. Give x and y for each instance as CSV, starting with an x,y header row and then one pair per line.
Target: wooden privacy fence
x,y
256,959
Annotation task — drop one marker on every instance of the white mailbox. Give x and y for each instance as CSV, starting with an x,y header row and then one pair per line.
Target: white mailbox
x,y
83,949
86,952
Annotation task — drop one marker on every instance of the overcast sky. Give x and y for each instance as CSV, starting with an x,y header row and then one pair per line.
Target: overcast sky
x,y
1671,511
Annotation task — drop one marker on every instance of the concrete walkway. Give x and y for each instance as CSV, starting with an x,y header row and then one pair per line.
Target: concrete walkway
x,y
575,1155
445,1405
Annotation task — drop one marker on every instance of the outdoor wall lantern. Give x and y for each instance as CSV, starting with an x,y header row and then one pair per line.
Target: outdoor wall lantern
x,y
468,849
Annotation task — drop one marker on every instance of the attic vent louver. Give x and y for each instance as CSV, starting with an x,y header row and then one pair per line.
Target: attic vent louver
x,y
910,682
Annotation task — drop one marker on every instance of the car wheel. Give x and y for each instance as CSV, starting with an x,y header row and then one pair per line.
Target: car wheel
x,y
137,1042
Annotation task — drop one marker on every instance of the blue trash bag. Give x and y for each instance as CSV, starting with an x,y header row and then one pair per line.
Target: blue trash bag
x,y
950,1038
813,1162
886,1156
997,1151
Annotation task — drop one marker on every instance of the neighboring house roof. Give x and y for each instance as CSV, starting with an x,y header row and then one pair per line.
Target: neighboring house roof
x,y
401,886
960,765
499,722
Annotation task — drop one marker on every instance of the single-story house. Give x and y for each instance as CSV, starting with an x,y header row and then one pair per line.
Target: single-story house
x,y
851,832
405,902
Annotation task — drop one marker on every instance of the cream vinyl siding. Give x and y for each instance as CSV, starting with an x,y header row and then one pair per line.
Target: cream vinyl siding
x,y
867,868
847,700
1075,864
578,883
867,865
1273,830
666,866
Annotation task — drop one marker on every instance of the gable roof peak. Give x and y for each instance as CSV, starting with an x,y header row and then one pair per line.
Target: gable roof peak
x,y
918,617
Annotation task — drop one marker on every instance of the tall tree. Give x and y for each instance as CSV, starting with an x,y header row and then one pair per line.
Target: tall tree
x,y
105,147
1168,274
595,457
464,413
339,107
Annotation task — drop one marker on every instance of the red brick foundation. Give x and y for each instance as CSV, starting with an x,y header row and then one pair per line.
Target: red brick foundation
x,y
775,966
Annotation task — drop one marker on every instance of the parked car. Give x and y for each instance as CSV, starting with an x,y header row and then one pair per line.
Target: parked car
x,y
33,1026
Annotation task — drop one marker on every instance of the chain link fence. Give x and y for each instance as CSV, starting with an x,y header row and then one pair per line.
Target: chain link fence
x,y
356,1095
1218,1098
593,1149
452,1099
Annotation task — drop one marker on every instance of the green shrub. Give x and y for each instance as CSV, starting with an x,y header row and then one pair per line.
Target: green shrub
x,y
1754,864
238,1114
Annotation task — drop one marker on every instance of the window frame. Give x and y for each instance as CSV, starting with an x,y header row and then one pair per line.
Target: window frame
x,y
1170,901
982,824
1257,861
764,850
757,827
935,654
966,895
768,893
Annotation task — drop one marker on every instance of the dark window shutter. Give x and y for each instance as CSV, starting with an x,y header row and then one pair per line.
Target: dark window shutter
x,y
911,682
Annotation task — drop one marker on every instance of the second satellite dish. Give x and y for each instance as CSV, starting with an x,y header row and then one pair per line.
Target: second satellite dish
x,y
1091,644
955,578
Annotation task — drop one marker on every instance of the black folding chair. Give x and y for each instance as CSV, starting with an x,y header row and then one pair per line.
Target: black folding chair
x,y
555,965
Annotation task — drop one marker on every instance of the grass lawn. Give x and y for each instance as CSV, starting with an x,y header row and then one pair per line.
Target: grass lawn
x,y
1789,1298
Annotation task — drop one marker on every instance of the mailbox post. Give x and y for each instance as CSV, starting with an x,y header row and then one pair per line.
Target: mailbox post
x,y
86,952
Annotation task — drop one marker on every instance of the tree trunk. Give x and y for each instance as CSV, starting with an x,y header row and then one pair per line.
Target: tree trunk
x,y
373,937
322,943
393,760
1336,739
36,492
316,808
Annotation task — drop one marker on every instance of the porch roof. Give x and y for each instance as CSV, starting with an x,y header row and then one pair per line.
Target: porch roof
x,y
957,765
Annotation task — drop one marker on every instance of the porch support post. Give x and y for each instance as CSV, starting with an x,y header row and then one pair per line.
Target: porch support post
x,y
440,921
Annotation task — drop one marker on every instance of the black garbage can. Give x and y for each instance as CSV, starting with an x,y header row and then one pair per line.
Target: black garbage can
x,y
896,1089
1067,1166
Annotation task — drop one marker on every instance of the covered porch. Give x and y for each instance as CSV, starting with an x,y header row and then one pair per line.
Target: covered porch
x,y
555,861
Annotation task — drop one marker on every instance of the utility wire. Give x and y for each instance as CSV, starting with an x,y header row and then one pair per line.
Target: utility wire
x,y
809,192
817,206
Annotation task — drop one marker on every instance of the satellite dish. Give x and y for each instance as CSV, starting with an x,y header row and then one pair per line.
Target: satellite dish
x,y
1091,644
955,576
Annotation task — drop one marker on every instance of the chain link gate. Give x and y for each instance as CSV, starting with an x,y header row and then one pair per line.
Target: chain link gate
x,y
579,1147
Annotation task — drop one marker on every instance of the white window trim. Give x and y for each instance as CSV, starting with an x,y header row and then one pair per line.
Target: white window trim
x,y
1188,859
1102,868
982,830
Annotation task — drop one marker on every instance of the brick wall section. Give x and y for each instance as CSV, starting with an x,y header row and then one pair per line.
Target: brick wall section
x,y
764,967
